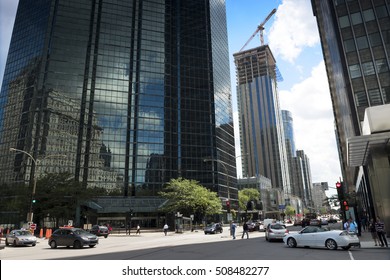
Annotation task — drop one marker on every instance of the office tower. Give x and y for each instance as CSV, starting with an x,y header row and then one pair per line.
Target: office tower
x,y
355,38
131,93
288,126
260,120
306,182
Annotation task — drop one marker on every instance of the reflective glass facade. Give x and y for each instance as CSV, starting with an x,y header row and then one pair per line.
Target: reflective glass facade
x,y
133,93
260,117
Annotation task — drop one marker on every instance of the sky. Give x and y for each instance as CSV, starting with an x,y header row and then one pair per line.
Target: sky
x,y
293,37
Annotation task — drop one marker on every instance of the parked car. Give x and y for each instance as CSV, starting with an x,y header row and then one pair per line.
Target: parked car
x,y
75,237
332,220
252,226
275,231
19,237
213,228
324,221
313,236
100,231
315,222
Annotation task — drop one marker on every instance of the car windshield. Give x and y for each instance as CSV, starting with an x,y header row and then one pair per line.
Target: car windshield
x,y
278,226
23,232
80,232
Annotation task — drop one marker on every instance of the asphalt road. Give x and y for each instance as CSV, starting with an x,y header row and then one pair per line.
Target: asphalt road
x,y
189,246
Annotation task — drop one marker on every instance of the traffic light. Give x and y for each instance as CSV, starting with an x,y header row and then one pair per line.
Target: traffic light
x,y
345,205
340,190
228,206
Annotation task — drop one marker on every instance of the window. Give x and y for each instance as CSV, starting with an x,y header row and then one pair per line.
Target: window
x,y
344,21
361,99
356,18
375,39
354,71
381,11
362,42
368,15
375,97
349,45
368,68
381,65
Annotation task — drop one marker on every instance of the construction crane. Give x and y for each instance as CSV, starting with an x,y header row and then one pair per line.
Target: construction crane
x,y
260,29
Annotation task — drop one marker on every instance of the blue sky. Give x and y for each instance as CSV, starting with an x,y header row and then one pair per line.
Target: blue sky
x,y
293,38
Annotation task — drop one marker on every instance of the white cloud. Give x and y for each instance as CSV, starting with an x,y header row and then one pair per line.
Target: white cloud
x,y
293,29
310,104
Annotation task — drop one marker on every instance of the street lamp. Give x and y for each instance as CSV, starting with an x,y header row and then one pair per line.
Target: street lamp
x,y
36,163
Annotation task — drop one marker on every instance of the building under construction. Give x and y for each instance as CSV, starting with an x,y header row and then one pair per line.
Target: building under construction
x,y
260,120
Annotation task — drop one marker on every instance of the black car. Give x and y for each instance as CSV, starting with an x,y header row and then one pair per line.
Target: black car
x,y
213,228
100,231
72,237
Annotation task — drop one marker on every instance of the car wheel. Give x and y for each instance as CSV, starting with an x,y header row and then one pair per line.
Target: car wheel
x,y
53,244
346,247
92,245
331,244
77,244
33,244
105,236
291,242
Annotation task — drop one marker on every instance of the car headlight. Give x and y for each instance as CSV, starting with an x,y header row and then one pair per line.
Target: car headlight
x,y
84,238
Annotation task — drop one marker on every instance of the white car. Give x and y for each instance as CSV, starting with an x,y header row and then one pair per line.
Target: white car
x,y
275,231
313,236
19,237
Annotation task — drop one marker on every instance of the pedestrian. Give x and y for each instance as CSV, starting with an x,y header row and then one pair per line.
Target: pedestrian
x,y
138,230
245,230
233,229
380,231
352,226
165,229
346,225
371,228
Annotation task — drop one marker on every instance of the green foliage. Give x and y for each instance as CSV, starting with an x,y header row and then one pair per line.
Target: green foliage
x,y
290,211
190,198
246,195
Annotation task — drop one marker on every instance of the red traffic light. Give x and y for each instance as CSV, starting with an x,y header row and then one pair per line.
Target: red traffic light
x,y
338,185
345,204
228,203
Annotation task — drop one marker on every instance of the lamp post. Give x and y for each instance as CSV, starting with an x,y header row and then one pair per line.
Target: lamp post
x,y
30,213
36,163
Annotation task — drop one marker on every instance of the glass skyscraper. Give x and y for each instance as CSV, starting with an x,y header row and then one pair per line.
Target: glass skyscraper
x,y
260,117
355,38
131,93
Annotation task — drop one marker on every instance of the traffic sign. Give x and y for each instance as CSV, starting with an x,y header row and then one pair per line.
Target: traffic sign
x,y
33,226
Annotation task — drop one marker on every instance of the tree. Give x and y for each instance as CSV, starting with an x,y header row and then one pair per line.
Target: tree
x,y
246,195
190,198
290,211
58,195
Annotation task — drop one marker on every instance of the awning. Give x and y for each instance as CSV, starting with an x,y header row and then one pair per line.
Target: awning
x,y
359,147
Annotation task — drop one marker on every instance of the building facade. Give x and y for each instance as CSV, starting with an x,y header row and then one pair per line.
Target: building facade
x,y
131,93
260,119
355,38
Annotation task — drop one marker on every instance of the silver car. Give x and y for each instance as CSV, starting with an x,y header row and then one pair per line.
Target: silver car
x,y
19,237
275,231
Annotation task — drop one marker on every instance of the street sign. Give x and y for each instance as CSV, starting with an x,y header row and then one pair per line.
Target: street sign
x,y
33,226
282,206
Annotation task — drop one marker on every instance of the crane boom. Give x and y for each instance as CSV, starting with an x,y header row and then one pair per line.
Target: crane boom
x,y
260,29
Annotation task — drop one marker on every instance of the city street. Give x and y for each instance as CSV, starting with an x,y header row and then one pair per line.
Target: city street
x,y
191,246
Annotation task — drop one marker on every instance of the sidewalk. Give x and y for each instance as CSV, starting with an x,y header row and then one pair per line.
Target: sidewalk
x,y
366,241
